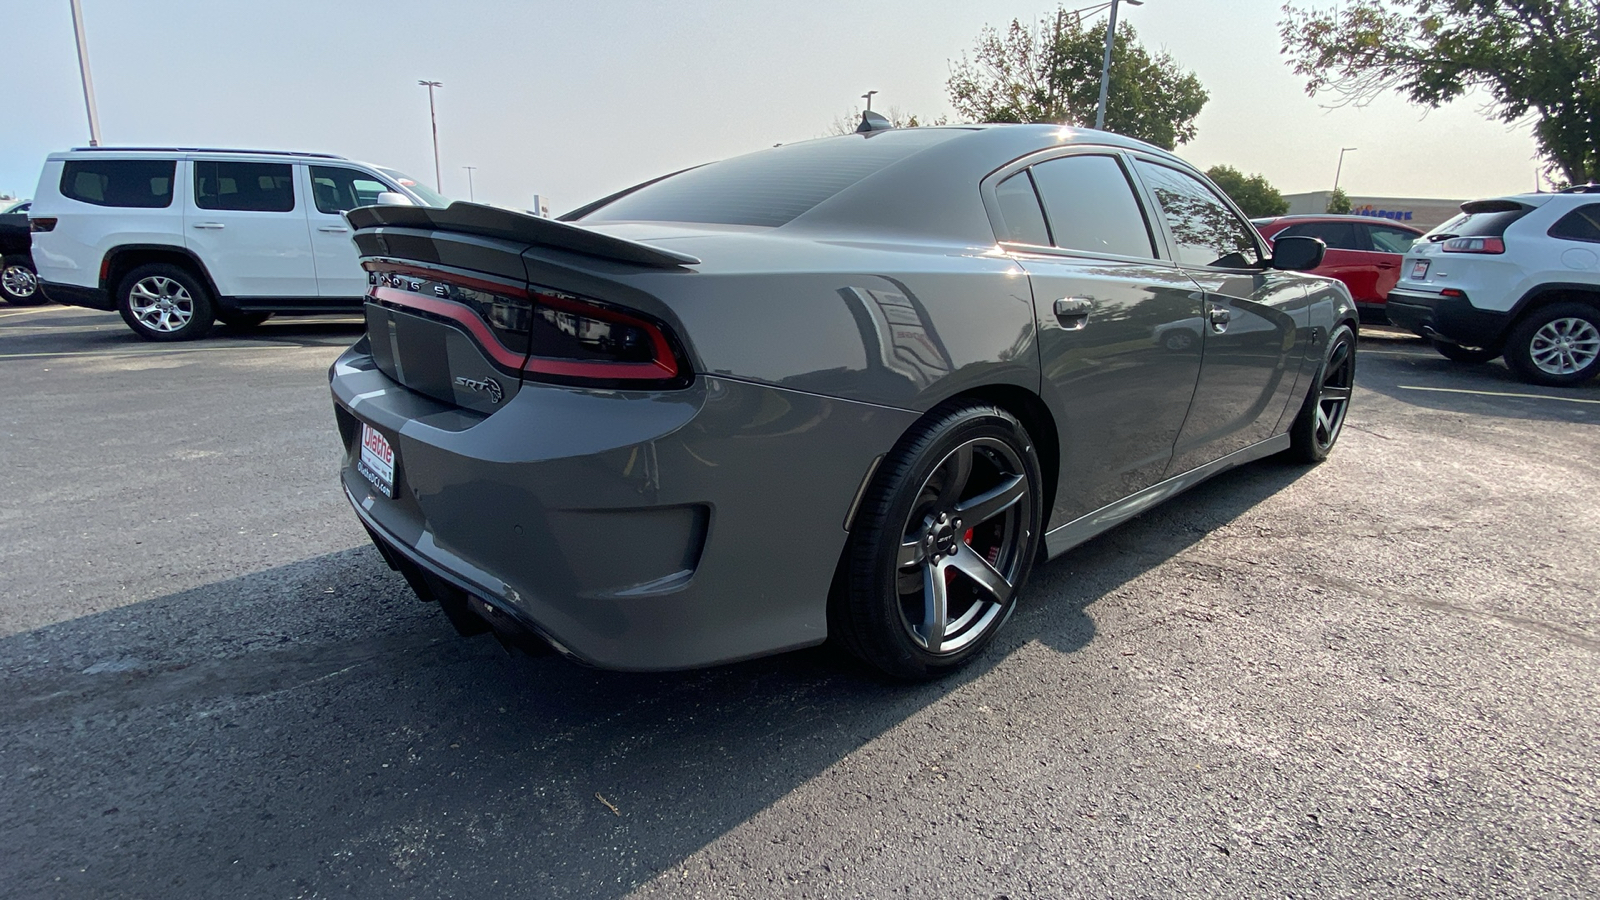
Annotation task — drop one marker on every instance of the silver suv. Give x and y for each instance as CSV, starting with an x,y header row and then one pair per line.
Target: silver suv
x,y
1518,276
175,238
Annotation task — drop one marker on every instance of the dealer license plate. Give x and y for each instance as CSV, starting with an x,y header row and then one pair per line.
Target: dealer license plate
x,y
1419,270
377,460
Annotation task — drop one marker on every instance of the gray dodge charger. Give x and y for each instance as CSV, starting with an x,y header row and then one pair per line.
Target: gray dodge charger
x,y
851,388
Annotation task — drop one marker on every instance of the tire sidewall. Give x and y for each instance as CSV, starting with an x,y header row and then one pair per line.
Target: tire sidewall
x,y
204,309
874,552
1519,349
1303,434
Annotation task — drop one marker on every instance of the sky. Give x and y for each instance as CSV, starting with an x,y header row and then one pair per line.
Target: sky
x,y
573,100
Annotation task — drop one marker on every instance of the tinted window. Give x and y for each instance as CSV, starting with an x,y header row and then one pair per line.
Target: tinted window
x,y
770,187
1206,230
1091,207
1582,224
142,183
1019,207
1482,224
335,189
262,187
1337,235
1391,240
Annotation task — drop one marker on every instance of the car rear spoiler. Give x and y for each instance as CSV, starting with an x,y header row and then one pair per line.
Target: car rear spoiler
x,y
493,222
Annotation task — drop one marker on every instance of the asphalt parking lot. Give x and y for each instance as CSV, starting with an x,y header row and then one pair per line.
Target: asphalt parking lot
x,y
1376,677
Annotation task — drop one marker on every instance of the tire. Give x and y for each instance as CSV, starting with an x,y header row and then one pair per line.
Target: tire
x,y
164,302
943,542
1316,429
1557,345
242,320
19,283
1460,354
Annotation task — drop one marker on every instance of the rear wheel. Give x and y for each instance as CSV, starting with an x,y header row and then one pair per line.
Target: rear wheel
x,y
1461,354
19,285
162,302
1316,429
943,541
1558,345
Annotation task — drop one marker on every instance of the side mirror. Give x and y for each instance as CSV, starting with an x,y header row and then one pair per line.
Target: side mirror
x,y
1297,254
394,198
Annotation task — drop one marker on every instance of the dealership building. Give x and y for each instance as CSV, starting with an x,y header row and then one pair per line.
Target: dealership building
x,y
1418,212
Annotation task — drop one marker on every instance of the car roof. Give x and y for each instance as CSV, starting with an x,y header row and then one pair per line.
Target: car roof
x,y
175,152
1331,217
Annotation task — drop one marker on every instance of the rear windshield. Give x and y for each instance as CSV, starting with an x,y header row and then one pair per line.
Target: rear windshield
x,y
140,183
1483,224
770,187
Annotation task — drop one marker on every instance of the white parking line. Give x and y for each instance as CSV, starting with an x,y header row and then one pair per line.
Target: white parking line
x,y
29,312
93,353
1418,387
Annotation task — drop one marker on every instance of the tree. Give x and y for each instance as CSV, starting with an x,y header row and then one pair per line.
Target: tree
x,y
1339,202
1254,194
1050,72
1534,58
848,123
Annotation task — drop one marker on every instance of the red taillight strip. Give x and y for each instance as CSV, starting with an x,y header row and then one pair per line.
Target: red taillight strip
x,y
456,313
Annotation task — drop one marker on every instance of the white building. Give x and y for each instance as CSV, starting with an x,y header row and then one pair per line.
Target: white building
x,y
1418,212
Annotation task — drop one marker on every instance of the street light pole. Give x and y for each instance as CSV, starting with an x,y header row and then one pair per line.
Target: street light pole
x,y
471,197
1340,170
438,180
83,66
1105,67
868,97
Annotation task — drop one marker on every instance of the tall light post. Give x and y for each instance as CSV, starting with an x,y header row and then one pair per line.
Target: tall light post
x,y
471,197
868,97
83,66
438,180
1105,67
1340,170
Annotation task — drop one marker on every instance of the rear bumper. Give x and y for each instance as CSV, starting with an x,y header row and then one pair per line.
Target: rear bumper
x,y
639,531
1454,319
77,295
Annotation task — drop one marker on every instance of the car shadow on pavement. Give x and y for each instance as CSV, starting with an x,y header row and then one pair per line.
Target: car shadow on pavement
x,y
313,730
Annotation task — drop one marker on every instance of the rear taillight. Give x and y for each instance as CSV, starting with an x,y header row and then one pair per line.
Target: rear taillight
x,y
38,225
1475,245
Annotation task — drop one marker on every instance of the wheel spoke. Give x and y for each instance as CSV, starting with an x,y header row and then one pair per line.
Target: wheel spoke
x,y
967,561
957,468
935,607
992,503
1324,421
910,552
1336,393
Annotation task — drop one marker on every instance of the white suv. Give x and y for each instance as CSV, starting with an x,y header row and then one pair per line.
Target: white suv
x,y
174,238
1518,276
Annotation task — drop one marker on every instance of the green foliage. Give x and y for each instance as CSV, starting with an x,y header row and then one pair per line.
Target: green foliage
x,y
1254,194
1339,202
1534,58
1050,72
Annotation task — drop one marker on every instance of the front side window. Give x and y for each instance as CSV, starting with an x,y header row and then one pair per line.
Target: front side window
x,y
1582,224
1206,231
1337,235
336,189
1019,210
135,183
1091,206
1391,240
253,186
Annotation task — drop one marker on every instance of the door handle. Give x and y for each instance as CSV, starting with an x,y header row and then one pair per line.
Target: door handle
x,y
333,229
1219,317
216,225
1073,312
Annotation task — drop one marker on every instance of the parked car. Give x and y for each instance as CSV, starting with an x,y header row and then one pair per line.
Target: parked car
x,y
1363,252
175,238
1518,276
847,387
19,284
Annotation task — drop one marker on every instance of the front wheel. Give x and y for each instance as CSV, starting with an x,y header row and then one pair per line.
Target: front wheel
x,y
944,540
1558,345
162,302
1321,418
19,285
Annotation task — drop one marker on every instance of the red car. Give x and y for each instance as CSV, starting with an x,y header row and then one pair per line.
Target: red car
x,y
1363,252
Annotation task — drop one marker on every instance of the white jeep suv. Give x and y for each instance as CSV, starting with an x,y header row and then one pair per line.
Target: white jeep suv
x,y
175,238
1518,276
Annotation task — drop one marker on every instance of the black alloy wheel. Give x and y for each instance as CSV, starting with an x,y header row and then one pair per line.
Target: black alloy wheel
x,y
942,544
1317,427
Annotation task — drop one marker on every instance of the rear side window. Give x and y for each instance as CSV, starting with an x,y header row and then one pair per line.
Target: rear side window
x,y
769,187
259,187
336,189
1337,235
1019,209
1391,240
1091,207
1582,224
136,183
1206,231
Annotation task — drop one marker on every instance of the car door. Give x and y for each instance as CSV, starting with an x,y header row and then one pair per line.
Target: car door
x,y
1389,245
243,220
1348,257
1119,328
1256,319
335,189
